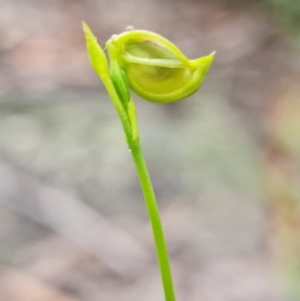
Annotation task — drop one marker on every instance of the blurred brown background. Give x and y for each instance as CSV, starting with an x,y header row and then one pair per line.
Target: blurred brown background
x,y
225,162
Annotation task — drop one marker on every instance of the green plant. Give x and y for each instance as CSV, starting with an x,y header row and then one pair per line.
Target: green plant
x,y
156,70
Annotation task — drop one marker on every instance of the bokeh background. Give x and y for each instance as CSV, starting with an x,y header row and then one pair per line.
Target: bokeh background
x,y
225,163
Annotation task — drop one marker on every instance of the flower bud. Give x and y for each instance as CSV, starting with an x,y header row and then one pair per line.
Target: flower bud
x,y
155,68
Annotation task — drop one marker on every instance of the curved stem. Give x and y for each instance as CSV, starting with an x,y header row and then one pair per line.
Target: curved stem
x,y
147,188
153,212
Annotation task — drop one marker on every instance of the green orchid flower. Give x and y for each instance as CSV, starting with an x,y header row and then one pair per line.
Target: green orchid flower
x,y
155,69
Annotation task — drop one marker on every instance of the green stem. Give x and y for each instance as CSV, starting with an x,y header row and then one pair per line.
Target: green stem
x,y
130,129
153,212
